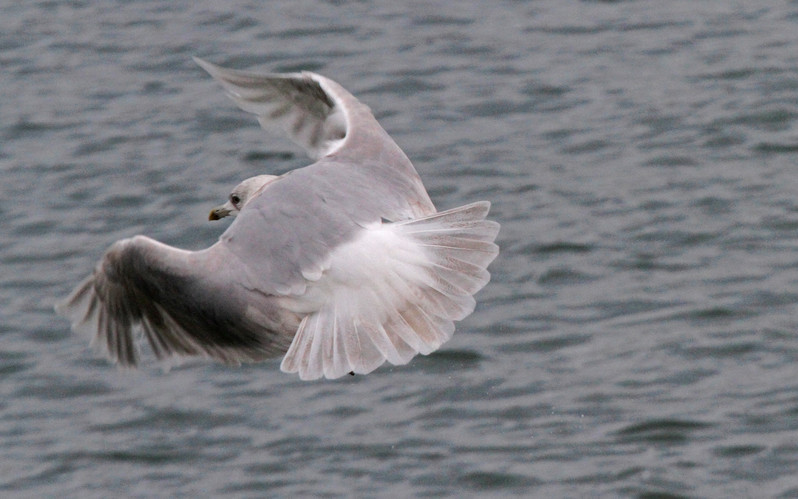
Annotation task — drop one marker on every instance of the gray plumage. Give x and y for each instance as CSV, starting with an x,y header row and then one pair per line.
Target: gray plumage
x,y
341,265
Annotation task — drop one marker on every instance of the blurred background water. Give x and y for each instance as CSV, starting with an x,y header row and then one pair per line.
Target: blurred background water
x,y
638,338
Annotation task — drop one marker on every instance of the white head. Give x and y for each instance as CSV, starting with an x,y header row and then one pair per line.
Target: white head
x,y
241,195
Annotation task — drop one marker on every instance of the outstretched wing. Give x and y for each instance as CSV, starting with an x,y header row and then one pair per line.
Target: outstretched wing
x,y
297,103
187,304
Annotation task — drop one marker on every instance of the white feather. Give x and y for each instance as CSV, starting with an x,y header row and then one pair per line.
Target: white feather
x,y
392,292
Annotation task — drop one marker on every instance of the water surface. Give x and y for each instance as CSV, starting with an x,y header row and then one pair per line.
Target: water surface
x,y
638,337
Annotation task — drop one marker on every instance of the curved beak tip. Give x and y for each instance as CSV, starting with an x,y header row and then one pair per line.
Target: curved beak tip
x,y
218,213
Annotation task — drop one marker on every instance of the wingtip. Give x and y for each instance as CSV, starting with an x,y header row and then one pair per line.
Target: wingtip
x,y
207,66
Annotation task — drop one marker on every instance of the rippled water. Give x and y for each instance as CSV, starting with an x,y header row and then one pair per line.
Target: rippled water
x,y
638,338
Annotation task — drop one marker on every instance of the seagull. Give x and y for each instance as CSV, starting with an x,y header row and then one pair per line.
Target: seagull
x,y
337,267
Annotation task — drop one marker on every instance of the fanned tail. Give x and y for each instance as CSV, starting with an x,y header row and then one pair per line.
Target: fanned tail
x,y
395,292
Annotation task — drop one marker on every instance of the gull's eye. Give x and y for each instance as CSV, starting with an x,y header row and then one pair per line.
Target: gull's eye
x,y
235,200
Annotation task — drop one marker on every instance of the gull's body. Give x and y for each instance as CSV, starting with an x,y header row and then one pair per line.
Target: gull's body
x,y
340,265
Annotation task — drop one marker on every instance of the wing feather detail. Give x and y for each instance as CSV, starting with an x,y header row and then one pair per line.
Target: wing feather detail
x,y
181,304
297,103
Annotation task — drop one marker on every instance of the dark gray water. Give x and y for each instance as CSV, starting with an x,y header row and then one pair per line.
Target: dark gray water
x,y
639,337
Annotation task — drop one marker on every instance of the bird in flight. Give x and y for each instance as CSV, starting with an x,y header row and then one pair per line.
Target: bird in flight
x,y
337,266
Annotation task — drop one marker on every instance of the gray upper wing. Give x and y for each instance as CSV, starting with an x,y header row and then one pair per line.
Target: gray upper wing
x,y
293,102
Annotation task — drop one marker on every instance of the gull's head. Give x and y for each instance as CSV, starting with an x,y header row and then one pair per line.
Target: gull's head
x,y
241,195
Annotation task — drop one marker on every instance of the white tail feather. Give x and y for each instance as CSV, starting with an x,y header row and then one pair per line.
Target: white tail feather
x,y
392,293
